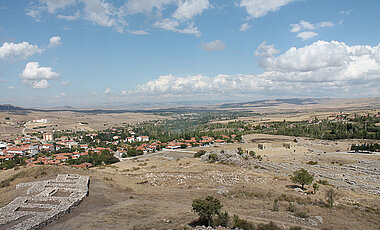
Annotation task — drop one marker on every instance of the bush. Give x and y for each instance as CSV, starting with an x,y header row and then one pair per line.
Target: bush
x,y
223,219
302,177
301,215
207,208
315,188
312,162
242,224
291,207
270,226
200,153
213,157
330,195
323,182
275,206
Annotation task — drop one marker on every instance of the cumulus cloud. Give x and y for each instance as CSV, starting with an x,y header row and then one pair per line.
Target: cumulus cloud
x,y
259,8
308,26
214,45
55,41
307,35
189,8
301,25
124,93
107,91
332,68
11,52
37,77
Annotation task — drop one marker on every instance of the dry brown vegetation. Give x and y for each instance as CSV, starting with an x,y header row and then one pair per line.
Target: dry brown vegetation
x,y
156,191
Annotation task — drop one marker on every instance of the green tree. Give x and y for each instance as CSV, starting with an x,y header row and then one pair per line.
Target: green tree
x,y
207,208
302,177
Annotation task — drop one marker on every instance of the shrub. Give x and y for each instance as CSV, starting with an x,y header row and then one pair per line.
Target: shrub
x,y
275,206
315,188
295,228
223,219
301,215
312,162
330,196
270,226
207,208
302,177
213,157
291,207
200,153
323,182
242,224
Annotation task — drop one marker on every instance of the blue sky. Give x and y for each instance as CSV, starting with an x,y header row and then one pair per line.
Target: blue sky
x,y
89,53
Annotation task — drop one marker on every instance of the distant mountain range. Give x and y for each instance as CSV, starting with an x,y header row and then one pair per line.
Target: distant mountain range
x,y
260,105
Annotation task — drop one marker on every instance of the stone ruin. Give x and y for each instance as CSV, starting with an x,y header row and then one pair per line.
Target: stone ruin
x,y
45,202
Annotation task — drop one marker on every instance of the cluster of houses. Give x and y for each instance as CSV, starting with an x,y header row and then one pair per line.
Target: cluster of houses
x,y
30,147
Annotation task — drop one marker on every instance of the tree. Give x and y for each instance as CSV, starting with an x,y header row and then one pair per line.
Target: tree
x,y
302,177
207,208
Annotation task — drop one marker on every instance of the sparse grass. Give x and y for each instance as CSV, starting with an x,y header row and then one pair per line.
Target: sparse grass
x,y
312,163
301,214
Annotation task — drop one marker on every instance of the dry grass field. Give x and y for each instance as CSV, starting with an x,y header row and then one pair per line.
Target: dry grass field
x,y
156,191
68,120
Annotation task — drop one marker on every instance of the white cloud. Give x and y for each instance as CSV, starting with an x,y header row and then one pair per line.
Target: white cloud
x,y
73,17
330,68
55,41
107,91
143,6
65,82
301,25
172,25
99,12
20,51
11,87
36,76
264,50
124,93
138,32
53,5
307,35
245,27
346,12
325,24
214,45
189,8
259,8
305,25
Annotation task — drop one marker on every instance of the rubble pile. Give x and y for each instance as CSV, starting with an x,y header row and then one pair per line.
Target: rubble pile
x,y
226,157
